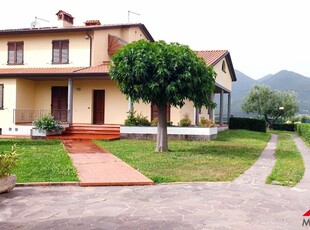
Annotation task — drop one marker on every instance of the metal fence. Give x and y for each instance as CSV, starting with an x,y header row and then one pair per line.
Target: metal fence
x,y
21,116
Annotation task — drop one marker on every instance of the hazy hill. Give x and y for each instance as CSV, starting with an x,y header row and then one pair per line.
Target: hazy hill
x,y
283,80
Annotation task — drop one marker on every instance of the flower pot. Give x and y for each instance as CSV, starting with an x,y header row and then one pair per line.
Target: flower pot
x,y
44,133
7,183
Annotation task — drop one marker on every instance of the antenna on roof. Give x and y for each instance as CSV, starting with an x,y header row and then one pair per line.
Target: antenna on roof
x,y
35,24
130,12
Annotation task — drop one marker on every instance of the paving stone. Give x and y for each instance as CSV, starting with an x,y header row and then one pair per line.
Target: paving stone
x,y
229,205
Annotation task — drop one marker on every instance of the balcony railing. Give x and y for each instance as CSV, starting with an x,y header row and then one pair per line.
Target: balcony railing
x,y
22,116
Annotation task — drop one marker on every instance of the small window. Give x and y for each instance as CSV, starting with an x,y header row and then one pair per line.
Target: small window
x,y
1,96
60,52
15,53
224,66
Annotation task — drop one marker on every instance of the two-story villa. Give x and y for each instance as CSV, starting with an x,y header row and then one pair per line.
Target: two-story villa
x,y
63,70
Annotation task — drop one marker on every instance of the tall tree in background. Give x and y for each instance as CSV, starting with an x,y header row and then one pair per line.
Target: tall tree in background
x,y
270,103
161,73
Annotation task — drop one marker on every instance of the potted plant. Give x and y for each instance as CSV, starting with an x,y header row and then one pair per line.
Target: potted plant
x,y
46,125
8,160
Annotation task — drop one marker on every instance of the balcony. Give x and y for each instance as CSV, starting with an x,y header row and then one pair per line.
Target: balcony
x,y
24,116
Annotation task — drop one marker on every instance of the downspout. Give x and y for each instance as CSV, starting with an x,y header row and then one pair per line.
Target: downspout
x,y
90,48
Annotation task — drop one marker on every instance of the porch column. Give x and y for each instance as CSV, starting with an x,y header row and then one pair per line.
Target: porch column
x,y
210,110
70,101
196,116
228,107
221,106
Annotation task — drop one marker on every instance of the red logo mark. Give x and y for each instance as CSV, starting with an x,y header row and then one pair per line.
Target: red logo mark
x,y
307,213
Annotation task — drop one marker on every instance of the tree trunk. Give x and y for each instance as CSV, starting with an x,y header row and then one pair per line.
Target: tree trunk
x,y
162,137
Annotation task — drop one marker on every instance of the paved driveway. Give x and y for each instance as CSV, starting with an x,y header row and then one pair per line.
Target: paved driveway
x,y
246,203
171,206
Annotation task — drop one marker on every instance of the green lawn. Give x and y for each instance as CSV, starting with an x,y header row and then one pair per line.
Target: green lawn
x,y
41,161
222,159
289,167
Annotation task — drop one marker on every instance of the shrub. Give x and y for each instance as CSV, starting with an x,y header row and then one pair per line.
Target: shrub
x,y
303,130
286,127
154,122
139,120
204,122
247,123
8,160
48,123
185,121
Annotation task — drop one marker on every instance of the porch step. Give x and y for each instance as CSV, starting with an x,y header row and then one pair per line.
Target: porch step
x,y
90,132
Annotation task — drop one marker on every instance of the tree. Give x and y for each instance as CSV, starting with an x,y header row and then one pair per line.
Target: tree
x,y
162,73
270,103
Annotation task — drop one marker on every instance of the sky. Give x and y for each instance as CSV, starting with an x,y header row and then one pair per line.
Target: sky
x,y
262,36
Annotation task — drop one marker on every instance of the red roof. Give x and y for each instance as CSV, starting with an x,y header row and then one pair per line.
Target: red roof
x,y
212,57
100,69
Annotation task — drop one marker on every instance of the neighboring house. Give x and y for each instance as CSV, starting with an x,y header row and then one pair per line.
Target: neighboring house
x,y
64,71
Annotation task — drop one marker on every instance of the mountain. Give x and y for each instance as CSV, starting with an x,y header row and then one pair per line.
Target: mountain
x,y
283,80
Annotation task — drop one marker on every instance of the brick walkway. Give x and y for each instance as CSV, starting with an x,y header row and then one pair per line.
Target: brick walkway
x,y
97,167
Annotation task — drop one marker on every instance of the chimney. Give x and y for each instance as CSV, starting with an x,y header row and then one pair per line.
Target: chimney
x,y
64,19
92,23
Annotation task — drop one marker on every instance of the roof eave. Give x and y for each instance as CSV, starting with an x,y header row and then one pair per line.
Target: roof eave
x,y
38,75
76,29
230,67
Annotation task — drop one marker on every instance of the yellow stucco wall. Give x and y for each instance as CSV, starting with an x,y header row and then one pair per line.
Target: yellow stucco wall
x,y
43,93
100,41
116,105
222,78
25,91
38,50
9,102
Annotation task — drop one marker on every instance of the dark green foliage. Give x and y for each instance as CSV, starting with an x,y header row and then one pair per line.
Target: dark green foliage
x,y
136,120
270,103
159,72
285,127
304,131
247,123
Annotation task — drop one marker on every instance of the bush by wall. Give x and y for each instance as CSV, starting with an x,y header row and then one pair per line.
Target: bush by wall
x,y
247,123
285,127
303,130
136,120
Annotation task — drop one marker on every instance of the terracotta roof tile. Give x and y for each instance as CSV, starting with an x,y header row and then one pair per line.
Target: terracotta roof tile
x,y
103,68
212,57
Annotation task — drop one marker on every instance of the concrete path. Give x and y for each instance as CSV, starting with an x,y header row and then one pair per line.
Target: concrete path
x,y
305,152
97,167
259,171
242,205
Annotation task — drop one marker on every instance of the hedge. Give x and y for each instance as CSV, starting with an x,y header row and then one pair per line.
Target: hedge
x,y
286,127
247,123
303,130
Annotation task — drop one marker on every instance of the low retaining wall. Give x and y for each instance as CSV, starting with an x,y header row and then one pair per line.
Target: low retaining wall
x,y
186,133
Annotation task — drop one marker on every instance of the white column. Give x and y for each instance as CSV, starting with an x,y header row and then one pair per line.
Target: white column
x,y
70,101
221,106
228,107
